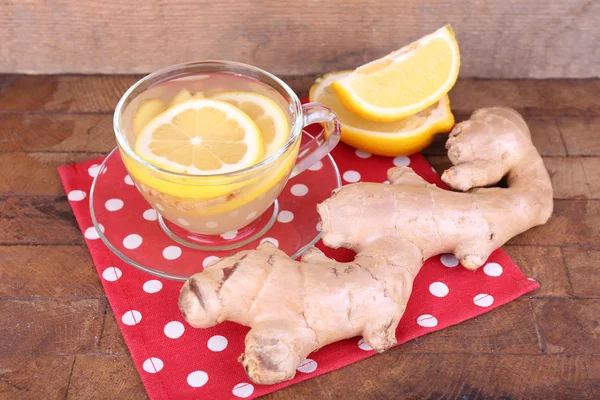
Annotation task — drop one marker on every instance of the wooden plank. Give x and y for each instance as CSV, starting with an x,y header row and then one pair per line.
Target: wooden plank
x,y
48,272
57,133
91,94
574,222
38,327
509,329
112,341
98,376
33,378
545,265
591,169
35,173
568,326
582,264
593,369
449,376
65,93
529,97
38,220
581,135
569,180
498,38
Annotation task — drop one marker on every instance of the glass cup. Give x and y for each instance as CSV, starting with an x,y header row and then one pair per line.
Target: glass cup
x,y
223,211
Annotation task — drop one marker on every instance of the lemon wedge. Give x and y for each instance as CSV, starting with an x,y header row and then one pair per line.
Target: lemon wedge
x,y
403,137
266,113
146,111
201,136
405,81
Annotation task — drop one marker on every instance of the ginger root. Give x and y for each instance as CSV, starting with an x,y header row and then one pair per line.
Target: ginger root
x,y
296,307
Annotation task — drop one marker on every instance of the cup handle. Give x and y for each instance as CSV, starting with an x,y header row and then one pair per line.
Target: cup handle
x,y
323,143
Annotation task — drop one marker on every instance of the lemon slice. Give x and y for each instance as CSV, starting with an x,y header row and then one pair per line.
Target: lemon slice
x,y
270,118
403,82
403,137
201,136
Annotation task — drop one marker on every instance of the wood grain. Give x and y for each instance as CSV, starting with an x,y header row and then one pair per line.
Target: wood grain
x,y
34,378
112,341
450,376
61,133
39,327
97,376
569,179
545,265
38,220
509,329
578,331
26,173
581,135
582,264
498,38
56,272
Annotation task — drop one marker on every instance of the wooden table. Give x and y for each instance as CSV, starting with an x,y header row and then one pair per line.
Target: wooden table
x,y
59,338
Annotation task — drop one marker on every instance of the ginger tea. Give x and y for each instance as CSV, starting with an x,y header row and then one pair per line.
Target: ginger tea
x,y
203,132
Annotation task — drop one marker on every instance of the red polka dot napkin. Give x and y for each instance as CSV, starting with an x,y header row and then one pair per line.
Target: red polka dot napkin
x,y
177,361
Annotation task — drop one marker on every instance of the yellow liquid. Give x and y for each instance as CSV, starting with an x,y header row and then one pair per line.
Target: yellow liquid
x,y
209,205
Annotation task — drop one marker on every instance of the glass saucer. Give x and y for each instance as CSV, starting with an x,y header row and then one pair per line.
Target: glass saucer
x,y
132,230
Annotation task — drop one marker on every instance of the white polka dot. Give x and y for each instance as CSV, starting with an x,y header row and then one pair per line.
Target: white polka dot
x,y
153,365
103,170
174,330
131,317
271,240
531,279
211,224
401,161
483,300
113,204
197,379
243,390
128,180
319,226
251,215
386,182
132,241
492,269
433,169
362,154
229,235
93,170
159,207
91,233
217,343
307,366
351,176
438,289
152,286
209,260
76,195
234,213
299,190
150,214
111,274
427,321
285,216
364,345
316,166
183,222
172,252
449,260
